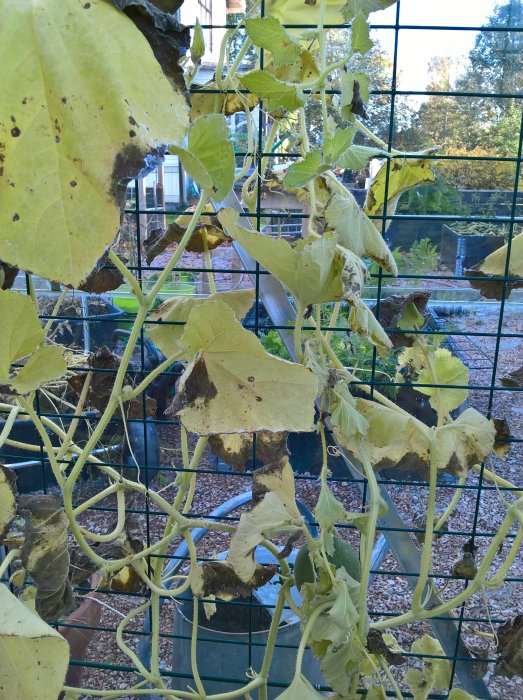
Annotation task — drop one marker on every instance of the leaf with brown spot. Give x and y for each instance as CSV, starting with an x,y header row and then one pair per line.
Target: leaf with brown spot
x,y
7,499
8,275
208,102
237,449
168,39
218,578
45,554
501,447
510,648
104,277
233,385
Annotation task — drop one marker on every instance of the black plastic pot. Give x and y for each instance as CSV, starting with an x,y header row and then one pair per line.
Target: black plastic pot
x,y
32,469
462,251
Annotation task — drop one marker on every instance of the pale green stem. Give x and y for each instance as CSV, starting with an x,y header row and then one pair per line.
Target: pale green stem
x,y
306,634
32,292
323,65
142,386
4,565
370,533
58,304
150,677
57,472
426,551
271,638
497,479
74,423
194,642
208,264
475,584
333,321
384,665
128,276
450,508
298,350
221,59
250,143
361,126
120,523
234,66
8,425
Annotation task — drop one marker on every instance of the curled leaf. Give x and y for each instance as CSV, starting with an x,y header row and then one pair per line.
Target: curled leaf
x,y
465,567
208,236
377,644
104,278
237,449
218,578
406,312
45,554
494,266
446,370
503,435
208,101
510,648
277,477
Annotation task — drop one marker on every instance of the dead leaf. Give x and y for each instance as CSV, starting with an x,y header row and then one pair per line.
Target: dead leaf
x,y
103,278
237,449
219,579
510,648
377,645
8,275
160,239
392,310
45,554
501,447
514,379
7,499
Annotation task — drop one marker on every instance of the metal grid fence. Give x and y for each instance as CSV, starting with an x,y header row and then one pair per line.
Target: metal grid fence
x,y
468,343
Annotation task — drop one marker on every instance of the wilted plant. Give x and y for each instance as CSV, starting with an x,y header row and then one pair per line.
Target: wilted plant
x,y
75,125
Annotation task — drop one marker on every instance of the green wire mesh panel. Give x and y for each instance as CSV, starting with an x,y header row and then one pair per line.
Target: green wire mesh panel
x,y
436,233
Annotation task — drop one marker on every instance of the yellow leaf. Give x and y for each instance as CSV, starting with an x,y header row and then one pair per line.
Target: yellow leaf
x,y
77,118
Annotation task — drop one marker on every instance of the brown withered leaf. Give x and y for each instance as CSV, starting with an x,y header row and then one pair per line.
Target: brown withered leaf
x,y
7,499
104,278
514,379
465,567
81,568
160,239
218,578
45,554
376,645
510,648
357,106
392,309
8,275
489,288
236,449
102,383
127,580
501,447
168,39
130,541
208,101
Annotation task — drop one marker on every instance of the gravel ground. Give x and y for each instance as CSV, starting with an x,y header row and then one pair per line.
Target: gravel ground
x,y
389,592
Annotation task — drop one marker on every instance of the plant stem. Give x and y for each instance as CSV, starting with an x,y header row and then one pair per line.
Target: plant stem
x,y
128,275
8,425
208,264
298,351
58,304
194,640
4,565
450,508
306,634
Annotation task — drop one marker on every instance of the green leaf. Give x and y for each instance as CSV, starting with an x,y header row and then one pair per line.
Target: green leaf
x,y
198,43
335,146
458,694
300,689
278,95
177,310
21,331
233,385
360,39
419,682
315,272
447,369
357,232
344,612
45,364
268,33
354,94
300,172
328,510
299,12
77,119
345,416
410,318
357,157
34,656
355,7
209,157
376,692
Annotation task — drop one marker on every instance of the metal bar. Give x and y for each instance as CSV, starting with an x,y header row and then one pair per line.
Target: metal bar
x,y
282,313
